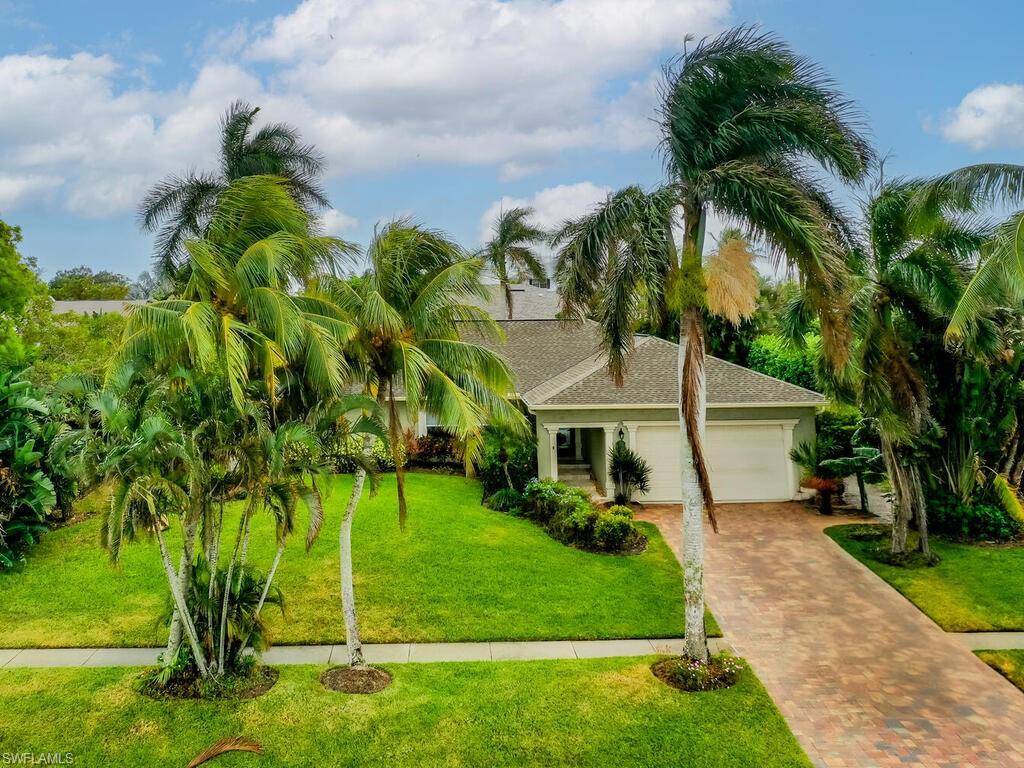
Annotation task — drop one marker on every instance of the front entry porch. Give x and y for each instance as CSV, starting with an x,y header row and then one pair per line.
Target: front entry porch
x,y
577,454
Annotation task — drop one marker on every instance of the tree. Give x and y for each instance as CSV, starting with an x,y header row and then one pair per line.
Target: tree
x,y
82,283
510,249
742,118
67,344
19,284
413,312
180,207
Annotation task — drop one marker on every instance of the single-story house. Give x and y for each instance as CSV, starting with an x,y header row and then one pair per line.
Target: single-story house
x,y
753,420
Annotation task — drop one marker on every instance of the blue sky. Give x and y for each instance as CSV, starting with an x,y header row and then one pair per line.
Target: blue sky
x,y
443,110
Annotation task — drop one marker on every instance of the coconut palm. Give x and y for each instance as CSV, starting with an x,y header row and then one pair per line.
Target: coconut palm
x,y
742,120
417,337
236,312
179,207
510,249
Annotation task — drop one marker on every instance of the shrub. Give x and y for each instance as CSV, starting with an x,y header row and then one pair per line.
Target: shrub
x,y
776,356
437,451
720,671
339,452
974,520
835,429
615,532
629,471
506,457
569,517
506,500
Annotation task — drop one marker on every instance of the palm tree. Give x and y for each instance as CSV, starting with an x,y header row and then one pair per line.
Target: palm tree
x,y
411,311
510,249
742,119
179,207
236,312
913,267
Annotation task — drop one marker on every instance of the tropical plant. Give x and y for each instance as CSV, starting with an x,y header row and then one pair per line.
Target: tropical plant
x,y
236,313
866,464
27,493
818,475
629,470
508,459
409,312
179,208
742,120
510,251
82,283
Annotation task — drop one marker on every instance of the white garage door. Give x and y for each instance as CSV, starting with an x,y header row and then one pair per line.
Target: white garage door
x,y
748,462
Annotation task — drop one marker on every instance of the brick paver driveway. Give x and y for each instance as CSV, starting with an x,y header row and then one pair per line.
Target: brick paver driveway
x,y
862,677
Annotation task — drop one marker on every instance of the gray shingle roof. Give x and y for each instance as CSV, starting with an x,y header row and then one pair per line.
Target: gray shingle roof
x,y
528,303
559,364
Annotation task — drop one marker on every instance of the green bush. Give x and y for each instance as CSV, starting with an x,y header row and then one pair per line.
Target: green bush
x,y
835,429
629,470
775,356
339,452
567,514
506,500
504,452
976,520
438,451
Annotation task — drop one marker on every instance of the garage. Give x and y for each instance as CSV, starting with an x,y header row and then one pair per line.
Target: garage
x,y
749,460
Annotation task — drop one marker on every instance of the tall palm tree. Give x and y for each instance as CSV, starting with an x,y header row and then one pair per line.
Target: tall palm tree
x,y
912,268
510,249
742,120
417,337
179,207
236,312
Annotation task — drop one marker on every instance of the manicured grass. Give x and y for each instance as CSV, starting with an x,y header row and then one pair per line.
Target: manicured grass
x,y
1010,664
606,712
458,572
973,588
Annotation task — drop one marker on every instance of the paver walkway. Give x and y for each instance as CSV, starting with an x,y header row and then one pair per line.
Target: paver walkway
x,y
374,654
862,676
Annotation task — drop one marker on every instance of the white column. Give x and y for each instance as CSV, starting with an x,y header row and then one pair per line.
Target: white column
x,y
610,436
792,470
552,431
421,424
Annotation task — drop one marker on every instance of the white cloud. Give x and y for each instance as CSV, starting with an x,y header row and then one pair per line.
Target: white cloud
x,y
18,189
990,116
375,84
334,222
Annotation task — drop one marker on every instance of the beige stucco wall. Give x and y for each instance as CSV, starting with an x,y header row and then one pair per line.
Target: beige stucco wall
x,y
599,417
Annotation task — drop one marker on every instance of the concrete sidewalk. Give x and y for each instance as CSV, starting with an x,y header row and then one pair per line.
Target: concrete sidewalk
x,y
396,653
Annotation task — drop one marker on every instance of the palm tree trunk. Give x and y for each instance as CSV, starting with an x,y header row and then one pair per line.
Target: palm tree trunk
x,y
184,581
862,489
920,513
181,606
245,551
395,434
353,643
270,576
902,507
226,598
696,489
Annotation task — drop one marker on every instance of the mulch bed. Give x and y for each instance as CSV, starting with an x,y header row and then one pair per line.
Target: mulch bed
x,y
356,679
720,677
261,680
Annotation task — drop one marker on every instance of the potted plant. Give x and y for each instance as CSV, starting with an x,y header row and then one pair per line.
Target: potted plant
x,y
817,475
629,471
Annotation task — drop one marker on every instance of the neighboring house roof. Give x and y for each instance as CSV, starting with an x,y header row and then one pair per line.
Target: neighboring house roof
x,y
94,306
528,303
560,365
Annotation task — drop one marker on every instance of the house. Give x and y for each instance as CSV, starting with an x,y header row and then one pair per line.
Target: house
x,y
753,420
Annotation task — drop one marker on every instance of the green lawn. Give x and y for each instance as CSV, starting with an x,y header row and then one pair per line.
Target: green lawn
x,y
973,588
458,572
1010,664
606,712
